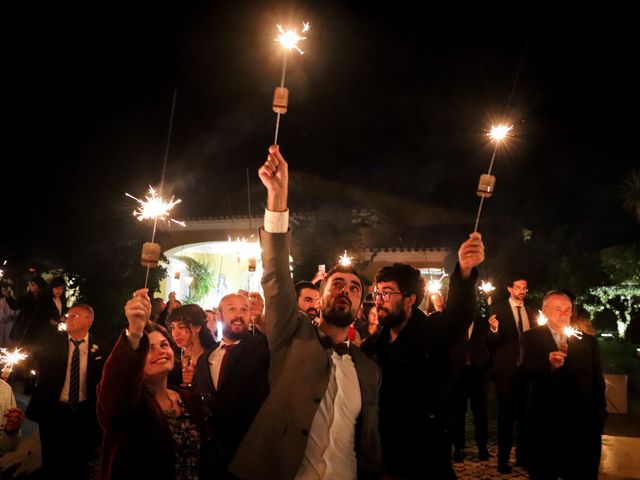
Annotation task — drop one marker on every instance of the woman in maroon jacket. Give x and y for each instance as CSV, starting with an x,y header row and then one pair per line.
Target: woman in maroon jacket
x,y
150,430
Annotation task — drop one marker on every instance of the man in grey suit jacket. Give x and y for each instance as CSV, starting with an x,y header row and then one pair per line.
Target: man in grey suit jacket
x,y
320,419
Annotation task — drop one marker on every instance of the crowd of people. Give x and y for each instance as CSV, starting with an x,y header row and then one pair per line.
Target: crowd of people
x,y
324,379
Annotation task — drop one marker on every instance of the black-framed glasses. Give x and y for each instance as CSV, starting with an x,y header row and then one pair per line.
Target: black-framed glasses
x,y
385,296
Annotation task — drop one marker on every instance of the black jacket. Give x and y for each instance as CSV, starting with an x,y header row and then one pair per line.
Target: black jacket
x,y
415,370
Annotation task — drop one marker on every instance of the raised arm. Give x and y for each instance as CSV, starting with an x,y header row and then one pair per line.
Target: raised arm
x,y
120,391
281,312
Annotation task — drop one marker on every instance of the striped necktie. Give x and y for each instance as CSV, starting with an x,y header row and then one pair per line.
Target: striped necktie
x,y
74,376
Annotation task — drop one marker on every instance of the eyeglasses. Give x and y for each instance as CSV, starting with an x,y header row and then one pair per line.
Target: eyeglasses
x,y
385,296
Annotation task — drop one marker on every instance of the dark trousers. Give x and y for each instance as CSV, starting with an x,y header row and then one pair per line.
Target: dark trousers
x,y
68,442
512,393
471,388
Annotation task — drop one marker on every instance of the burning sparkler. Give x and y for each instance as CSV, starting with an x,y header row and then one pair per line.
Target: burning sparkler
x,y
289,40
542,319
345,260
434,286
153,207
486,287
10,358
487,182
572,332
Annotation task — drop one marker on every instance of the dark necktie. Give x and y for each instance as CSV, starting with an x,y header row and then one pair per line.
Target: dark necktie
x,y
223,364
74,376
341,348
520,325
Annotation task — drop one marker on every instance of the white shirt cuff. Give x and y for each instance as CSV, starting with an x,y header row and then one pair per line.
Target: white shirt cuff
x,y
276,222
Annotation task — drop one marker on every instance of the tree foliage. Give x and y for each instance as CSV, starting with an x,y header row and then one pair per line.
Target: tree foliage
x,y
621,294
203,278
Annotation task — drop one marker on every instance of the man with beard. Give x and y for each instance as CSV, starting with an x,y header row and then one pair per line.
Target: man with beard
x,y
233,378
413,351
510,319
308,299
320,420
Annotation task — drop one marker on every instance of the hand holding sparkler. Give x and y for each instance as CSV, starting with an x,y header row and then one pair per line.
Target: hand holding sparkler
x,y
494,324
274,174
556,359
137,310
470,254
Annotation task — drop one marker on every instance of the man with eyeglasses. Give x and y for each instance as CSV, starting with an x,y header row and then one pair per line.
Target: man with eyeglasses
x,y
64,401
413,351
510,319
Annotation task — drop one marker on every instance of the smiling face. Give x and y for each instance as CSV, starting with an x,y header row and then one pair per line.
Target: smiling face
x,y
159,357
234,311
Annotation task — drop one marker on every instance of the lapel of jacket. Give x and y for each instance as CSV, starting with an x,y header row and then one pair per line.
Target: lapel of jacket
x,y
204,379
548,341
235,354
358,361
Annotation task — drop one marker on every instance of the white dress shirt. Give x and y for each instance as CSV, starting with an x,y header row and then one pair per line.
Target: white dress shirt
x,y
523,314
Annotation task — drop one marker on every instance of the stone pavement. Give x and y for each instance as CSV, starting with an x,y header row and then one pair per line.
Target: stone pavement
x,y
473,468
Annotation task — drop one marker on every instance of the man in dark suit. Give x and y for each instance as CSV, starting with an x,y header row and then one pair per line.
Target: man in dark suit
x,y
233,377
320,419
510,319
469,383
64,401
413,352
567,405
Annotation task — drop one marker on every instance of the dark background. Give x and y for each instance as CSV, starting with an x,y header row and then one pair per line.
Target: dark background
x,y
387,98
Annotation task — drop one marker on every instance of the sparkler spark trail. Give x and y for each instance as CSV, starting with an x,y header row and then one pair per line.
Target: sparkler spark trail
x,y
572,332
345,260
289,40
498,134
155,207
434,286
486,287
542,319
10,358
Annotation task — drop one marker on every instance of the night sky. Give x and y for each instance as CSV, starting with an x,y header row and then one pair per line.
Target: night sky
x,y
385,98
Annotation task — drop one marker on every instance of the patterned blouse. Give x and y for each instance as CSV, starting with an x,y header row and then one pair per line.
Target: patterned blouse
x,y
187,439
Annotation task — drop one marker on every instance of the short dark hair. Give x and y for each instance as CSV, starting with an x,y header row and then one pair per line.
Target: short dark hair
x,y
154,327
58,282
409,279
514,277
304,284
193,315
343,269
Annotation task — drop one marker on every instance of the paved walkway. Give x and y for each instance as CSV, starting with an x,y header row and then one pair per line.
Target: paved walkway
x,y
620,452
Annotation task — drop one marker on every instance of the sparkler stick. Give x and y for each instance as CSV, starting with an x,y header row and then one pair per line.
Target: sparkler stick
x,y
487,181
155,207
288,39
10,359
